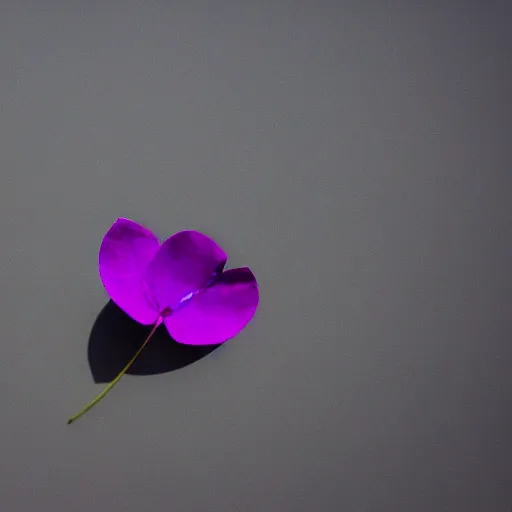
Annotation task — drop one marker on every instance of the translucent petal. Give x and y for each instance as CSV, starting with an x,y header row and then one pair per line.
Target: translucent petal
x,y
217,313
125,252
185,263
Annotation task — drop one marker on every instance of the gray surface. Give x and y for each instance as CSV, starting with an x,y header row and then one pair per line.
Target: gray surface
x,y
357,156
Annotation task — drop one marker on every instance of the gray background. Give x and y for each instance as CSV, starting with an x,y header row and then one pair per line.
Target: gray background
x,y
355,155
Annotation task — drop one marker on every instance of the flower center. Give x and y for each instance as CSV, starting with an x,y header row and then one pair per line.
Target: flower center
x,y
166,312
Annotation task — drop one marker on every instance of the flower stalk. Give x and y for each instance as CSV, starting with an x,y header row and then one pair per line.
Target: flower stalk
x,y
91,404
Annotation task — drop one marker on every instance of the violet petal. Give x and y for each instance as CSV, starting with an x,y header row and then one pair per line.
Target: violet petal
x,y
184,264
125,252
217,313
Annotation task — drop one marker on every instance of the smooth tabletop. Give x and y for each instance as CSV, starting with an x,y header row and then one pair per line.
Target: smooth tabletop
x,y
357,157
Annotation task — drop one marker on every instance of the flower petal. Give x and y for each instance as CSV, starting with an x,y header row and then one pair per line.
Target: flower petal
x,y
219,312
185,263
125,252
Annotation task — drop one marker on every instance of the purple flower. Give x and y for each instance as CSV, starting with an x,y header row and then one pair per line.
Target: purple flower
x,y
180,282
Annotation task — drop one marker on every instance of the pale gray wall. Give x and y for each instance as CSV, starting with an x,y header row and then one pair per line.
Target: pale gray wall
x,y
357,156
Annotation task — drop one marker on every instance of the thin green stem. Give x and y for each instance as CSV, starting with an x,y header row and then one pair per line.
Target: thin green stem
x,y
117,379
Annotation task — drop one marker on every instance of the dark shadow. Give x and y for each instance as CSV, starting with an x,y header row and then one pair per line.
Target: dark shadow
x,y
115,337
